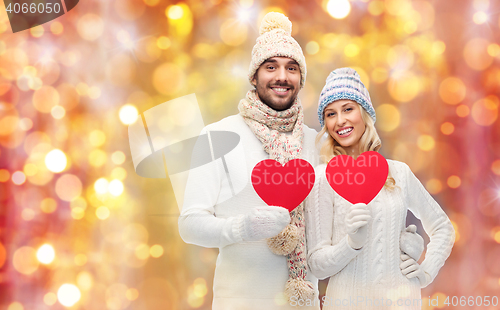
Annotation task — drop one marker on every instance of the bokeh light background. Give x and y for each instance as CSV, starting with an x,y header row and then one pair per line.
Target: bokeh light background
x,y
80,230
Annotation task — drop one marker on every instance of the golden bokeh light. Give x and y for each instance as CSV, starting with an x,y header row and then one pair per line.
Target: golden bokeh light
x,y
18,178
56,28
447,128
495,167
97,138
58,112
84,280
119,173
454,181
376,7
338,9
426,142
46,254
77,213
494,50
452,90
90,27
388,117
27,214
379,75
68,295
174,12
163,42
45,98
3,255
128,114
101,186
488,202
156,251
115,188
168,78
404,87
233,32
434,186
132,294
476,54
24,260
15,306
98,158
102,213
462,110
50,299
80,259
480,17
4,175
56,161
142,251
30,169
48,205
118,157
151,2
68,187
485,111
312,47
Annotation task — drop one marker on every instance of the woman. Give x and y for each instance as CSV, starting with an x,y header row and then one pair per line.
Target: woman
x,y
358,246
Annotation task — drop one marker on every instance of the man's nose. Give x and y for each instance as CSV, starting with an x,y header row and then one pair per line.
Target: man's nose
x,y
281,74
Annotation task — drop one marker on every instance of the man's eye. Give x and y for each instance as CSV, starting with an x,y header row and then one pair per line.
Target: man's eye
x,y
292,69
270,67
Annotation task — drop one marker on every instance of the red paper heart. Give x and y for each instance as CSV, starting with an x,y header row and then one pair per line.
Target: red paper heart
x,y
284,186
357,180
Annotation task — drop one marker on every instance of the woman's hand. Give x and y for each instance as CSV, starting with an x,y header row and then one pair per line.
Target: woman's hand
x,y
411,269
411,243
357,220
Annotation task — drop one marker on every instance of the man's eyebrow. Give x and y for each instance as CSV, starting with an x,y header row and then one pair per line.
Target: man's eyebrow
x,y
292,62
270,60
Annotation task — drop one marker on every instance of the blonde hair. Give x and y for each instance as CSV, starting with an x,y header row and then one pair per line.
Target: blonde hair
x,y
369,141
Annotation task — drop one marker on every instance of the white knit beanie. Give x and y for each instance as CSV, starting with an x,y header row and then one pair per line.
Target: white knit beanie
x,y
276,40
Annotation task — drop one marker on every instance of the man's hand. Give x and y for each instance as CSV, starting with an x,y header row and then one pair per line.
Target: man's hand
x,y
264,222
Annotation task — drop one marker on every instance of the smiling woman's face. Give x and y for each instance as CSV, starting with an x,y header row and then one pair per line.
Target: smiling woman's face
x,y
345,124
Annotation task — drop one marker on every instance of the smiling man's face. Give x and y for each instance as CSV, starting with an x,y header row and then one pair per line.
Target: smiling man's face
x,y
278,82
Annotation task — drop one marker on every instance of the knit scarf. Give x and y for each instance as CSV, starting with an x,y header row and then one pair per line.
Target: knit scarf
x,y
269,126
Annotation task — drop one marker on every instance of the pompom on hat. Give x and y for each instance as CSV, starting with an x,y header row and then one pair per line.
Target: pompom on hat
x,y
276,40
344,83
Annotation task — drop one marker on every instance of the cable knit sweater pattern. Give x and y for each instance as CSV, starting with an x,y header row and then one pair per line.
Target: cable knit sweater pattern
x,y
247,274
370,278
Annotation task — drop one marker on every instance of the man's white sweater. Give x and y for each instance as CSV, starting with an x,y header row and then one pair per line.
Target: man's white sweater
x,y
247,274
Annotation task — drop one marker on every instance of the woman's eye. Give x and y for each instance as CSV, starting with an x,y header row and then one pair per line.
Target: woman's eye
x,y
348,109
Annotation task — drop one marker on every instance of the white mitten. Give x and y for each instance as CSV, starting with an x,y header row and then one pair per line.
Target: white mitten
x,y
411,269
411,242
357,220
264,222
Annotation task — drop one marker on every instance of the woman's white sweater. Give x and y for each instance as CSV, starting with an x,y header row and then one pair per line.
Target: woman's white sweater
x,y
371,278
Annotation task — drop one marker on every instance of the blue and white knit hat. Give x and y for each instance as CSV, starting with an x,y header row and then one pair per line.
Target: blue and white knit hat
x,y
344,83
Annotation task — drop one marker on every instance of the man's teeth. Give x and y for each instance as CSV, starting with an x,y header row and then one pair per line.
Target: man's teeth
x,y
344,131
281,90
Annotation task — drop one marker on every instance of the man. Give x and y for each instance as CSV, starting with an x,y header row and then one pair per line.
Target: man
x,y
261,263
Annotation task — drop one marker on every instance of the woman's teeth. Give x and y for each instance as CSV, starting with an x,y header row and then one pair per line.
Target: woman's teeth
x,y
344,131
